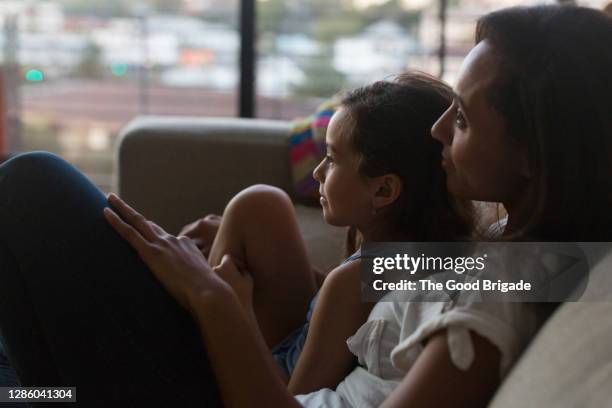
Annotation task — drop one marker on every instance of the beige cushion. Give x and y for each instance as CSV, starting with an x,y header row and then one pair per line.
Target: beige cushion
x,y
175,170
569,363
324,242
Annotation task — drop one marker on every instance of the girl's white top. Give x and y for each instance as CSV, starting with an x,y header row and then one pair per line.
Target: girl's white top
x,y
390,341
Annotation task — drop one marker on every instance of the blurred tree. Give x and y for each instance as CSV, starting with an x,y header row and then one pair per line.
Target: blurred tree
x,y
165,6
323,19
322,79
91,63
328,28
340,18
271,15
392,10
106,8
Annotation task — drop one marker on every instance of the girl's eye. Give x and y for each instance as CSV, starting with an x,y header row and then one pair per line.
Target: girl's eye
x,y
460,120
328,159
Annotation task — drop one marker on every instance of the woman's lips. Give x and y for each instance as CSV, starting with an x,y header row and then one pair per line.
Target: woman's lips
x,y
322,200
446,162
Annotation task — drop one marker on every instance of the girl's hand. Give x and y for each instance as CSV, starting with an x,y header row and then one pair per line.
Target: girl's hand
x,y
239,279
203,232
176,262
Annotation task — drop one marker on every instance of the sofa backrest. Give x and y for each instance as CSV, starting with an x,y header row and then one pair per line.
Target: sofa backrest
x,y
569,363
177,169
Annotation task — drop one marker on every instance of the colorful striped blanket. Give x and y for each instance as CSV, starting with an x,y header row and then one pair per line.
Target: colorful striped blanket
x,y
307,148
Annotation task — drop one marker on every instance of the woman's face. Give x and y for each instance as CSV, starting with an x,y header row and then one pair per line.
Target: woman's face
x,y
481,161
345,195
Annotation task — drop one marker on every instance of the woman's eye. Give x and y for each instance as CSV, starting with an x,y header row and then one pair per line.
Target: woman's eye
x,y
328,159
460,120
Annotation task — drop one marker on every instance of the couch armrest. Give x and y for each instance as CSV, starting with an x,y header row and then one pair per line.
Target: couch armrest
x,y
175,169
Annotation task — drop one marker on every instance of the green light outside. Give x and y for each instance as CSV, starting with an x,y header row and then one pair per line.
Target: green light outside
x,y
34,75
119,69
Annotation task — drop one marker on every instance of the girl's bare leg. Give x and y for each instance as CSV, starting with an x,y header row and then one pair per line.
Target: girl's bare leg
x,y
259,230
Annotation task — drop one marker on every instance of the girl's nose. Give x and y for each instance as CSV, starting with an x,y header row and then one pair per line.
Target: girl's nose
x,y
442,130
319,172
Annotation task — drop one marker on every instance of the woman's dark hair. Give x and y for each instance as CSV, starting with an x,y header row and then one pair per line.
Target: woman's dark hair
x,y
390,130
554,91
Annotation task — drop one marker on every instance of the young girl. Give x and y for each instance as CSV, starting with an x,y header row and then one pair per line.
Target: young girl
x,y
381,177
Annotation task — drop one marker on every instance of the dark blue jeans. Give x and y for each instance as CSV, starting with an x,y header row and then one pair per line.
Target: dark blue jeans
x,y
8,376
77,305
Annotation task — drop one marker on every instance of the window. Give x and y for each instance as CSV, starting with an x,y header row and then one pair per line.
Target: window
x,y
308,50
77,71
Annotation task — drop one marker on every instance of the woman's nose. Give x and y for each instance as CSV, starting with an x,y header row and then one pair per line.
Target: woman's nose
x,y
442,130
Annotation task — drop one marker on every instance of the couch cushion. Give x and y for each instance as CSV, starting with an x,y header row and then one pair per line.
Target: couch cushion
x,y
569,363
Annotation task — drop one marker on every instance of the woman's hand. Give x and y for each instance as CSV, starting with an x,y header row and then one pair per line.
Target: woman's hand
x,y
182,269
175,261
239,279
203,232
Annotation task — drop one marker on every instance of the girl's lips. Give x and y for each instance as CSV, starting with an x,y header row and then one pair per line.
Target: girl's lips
x,y
323,201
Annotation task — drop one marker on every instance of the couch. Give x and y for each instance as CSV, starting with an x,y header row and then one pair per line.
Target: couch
x,y
178,169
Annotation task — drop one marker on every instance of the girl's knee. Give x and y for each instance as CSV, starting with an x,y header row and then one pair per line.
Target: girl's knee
x,y
260,198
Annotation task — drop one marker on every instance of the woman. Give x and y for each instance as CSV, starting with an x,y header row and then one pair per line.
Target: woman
x,y
529,128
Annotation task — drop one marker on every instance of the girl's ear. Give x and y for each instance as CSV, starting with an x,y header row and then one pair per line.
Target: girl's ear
x,y
386,190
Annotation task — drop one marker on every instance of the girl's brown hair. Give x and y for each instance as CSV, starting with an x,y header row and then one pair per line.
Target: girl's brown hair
x,y
391,132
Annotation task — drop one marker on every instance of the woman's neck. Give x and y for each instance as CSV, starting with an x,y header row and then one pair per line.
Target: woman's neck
x,y
517,215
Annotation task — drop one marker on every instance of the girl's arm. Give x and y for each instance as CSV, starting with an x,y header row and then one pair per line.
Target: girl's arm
x,y
241,283
339,312
434,381
245,373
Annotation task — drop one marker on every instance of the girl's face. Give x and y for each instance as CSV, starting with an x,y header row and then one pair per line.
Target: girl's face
x,y
345,194
481,161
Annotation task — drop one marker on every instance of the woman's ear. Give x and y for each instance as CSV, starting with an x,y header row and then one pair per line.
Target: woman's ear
x,y
386,189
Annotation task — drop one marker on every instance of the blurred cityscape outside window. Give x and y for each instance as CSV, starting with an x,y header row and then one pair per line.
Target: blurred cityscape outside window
x,y
77,71
74,72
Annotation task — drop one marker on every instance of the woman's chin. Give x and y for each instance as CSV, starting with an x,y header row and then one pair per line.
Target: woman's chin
x,y
456,188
